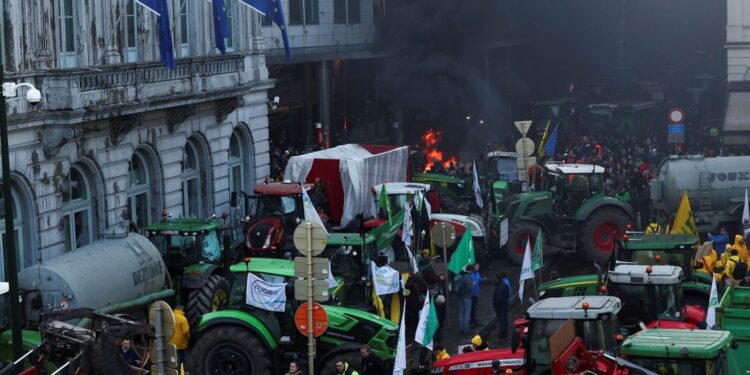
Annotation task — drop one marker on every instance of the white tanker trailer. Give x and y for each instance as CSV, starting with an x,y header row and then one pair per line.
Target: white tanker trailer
x,y
112,276
715,187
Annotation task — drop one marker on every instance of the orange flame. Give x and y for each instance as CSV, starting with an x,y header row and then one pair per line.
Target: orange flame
x,y
430,139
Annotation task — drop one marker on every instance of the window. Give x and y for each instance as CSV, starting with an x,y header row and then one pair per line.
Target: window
x,y
229,40
235,164
196,183
77,209
68,32
143,204
339,11
240,164
18,234
184,27
303,12
346,11
131,32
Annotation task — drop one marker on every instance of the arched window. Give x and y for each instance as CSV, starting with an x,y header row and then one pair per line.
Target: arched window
x,y
77,209
241,162
144,204
196,190
18,233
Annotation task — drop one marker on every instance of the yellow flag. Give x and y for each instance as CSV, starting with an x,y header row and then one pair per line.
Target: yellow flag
x,y
684,222
545,136
378,304
395,308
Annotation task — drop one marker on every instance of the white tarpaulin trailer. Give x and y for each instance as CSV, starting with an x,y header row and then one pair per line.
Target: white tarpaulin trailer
x,y
349,172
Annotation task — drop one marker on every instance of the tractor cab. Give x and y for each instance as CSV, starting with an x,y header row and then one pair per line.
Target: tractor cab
x,y
501,177
680,351
274,213
652,294
196,261
593,319
572,184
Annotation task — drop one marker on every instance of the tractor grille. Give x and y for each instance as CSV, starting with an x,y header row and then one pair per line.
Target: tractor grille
x,y
258,235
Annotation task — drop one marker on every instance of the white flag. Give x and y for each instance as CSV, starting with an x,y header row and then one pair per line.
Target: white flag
x,y
332,283
411,259
310,213
422,203
386,280
526,272
400,363
428,323
477,191
407,225
713,302
264,295
746,217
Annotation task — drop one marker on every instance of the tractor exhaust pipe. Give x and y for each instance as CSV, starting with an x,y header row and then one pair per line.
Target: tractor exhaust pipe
x,y
598,273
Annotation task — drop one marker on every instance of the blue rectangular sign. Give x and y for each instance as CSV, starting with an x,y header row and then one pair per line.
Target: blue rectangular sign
x,y
676,129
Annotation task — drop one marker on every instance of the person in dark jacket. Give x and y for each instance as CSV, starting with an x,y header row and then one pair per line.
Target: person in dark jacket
x,y
462,288
417,289
371,364
500,298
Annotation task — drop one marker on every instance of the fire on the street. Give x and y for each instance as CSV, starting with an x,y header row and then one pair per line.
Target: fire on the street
x,y
432,154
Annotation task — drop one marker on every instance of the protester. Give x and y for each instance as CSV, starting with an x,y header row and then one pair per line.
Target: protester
x,y
294,368
500,301
417,289
739,245
128,353
477,344
462,288
370,363
181,335
440,353
653,227
477,281
720,240
440,310
342,368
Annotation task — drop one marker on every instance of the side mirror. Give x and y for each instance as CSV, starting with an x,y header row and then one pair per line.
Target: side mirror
x,y
515,339
233,199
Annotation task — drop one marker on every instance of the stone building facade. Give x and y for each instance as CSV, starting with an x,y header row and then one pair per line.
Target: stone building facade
x,y
117,137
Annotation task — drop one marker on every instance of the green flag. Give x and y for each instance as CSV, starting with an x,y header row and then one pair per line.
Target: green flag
x,y
464,254
537,254
384,202
428,323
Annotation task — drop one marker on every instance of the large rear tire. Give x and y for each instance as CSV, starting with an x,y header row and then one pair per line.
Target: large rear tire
x,y
600,231
230,350
518,234
208,298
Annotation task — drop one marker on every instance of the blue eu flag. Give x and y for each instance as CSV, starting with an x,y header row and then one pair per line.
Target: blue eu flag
x,y
549,148
220,25
160,8
273,10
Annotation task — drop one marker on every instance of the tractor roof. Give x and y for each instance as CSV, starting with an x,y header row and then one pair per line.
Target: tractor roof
x,y
402,188
184,226
637,241
564,168
502,154
572,307
677,343
637,274
280,188
437,177
349,239
273,266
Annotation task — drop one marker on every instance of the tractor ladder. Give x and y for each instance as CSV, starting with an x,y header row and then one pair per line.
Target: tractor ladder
x,y
704,191
568,235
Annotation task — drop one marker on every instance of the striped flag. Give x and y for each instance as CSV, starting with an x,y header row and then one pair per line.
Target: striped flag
x,y
428,323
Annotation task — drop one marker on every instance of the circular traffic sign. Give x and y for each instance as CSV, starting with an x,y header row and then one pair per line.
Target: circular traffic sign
x,y
319,238
443,234
525,147
167,318
320,319
676,115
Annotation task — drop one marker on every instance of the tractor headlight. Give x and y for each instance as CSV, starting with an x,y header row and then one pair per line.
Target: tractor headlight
x,y
268,241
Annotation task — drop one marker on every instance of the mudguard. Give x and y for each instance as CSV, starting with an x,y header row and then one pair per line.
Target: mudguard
x,y
195,276
588,207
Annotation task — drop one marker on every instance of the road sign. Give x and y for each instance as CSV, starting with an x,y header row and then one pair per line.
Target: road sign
x,y
319,238
319,268
523,127
161,317
167,319
167,371
676,115
170,355
319,319
443,234
320,290
676,133
525,147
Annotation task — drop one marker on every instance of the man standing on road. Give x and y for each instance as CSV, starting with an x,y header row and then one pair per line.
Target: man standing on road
x,y
181,336
462,288
342,368
500,299
477,281
371,364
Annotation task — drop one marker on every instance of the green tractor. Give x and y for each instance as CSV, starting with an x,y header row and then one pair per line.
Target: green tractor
x,y
243,339
192,251
682,351
572,211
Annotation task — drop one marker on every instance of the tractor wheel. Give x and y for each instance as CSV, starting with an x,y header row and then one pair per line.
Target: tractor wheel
x,y
210,297
598,233
230,350
518,234
351,357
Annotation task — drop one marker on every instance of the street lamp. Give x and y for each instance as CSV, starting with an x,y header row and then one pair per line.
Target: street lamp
x,y
34,97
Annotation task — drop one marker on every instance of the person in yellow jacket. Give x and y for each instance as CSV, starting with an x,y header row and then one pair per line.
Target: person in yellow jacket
x,y
181,335
477,344
653,228
740,246
721,263
440,353
731,263
707,262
